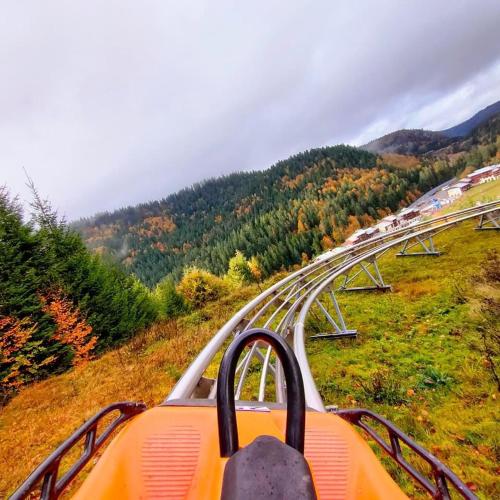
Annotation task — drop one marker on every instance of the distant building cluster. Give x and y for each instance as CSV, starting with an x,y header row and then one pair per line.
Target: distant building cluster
x,y
453,190
485,174
387,224
433,200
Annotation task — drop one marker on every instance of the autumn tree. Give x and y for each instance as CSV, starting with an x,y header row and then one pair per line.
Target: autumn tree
x,y
22,358
71,328
255,268
327,242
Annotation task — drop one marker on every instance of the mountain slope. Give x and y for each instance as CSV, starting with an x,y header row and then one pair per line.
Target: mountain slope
x,y
452,413
289,212
281,215
466,127
412,142
424,141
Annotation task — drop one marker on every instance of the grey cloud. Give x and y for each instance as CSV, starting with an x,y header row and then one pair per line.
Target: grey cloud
x,y
114,103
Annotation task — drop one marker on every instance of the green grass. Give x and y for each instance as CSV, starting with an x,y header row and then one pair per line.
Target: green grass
x,y
418,358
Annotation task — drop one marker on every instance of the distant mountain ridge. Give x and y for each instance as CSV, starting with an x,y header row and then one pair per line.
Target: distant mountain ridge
x,y
466,127
419,141
408,141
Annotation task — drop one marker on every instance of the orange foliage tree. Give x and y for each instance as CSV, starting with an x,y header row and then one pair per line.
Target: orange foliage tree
x,y
71,328
327,242
352,225
18,352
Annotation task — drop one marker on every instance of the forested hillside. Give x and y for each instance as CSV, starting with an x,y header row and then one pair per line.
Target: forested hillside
x,y
281,216
413,142
59,304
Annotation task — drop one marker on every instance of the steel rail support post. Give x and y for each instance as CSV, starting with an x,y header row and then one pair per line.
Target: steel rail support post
x,y
244,365
262,358
341,330
491,218
279,385
377,280
383,285
244,371
429,249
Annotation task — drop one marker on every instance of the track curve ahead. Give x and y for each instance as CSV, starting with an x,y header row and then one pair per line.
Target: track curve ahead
x,y
285,306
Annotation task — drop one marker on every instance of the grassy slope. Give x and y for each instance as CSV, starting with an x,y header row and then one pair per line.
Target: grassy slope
x,y
406,333
44,414
421,344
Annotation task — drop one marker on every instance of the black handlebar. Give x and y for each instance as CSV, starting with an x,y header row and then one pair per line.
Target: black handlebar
x,y
226,412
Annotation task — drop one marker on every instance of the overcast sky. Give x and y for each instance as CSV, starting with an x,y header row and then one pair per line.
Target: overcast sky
x,y
112,103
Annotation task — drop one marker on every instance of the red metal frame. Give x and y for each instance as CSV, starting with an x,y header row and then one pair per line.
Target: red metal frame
x,y
47,472
442,476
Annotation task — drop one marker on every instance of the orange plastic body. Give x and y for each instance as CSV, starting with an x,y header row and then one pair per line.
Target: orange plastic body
x,y
173,452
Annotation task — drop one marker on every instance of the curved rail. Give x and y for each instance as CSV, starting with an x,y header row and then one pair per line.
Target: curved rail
x,y
285,306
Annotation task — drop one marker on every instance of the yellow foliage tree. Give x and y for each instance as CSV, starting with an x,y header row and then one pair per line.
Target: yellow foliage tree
x,y
352,225
304,258
22,359
255,268
14,335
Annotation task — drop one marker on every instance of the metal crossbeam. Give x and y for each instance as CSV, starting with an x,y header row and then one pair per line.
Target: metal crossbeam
x,y
426,243
340,329
375,277
490,220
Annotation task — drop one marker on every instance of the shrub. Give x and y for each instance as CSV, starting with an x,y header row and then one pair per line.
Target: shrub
x,y
170,302
199,287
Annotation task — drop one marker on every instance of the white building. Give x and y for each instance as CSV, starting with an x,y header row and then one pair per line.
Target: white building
x,y
456,190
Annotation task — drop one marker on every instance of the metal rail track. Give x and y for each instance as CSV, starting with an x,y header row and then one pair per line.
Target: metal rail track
x,y
285,306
